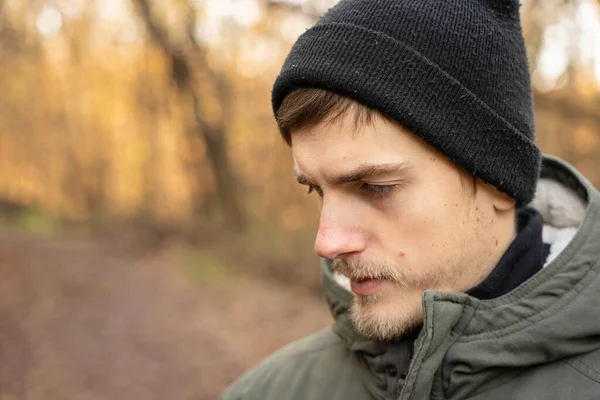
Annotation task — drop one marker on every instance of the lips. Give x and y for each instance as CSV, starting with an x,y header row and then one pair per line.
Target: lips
x,y
365,287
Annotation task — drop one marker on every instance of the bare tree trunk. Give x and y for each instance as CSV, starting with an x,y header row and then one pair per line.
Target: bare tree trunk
x,y
213,134
226,187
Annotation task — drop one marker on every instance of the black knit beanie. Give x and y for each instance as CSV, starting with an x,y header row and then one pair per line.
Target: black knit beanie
x,y
454,72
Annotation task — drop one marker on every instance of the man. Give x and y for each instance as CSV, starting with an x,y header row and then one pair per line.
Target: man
x,y
461,264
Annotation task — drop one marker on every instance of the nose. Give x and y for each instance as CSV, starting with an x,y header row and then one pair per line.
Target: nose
x,y
338,235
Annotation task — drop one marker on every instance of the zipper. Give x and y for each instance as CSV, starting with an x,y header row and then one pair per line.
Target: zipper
x,y
411,370
417,355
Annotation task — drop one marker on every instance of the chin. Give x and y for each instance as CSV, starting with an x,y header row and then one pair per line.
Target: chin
x,y
386,316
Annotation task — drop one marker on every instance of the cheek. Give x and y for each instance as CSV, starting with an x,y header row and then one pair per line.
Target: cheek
x,y
427,231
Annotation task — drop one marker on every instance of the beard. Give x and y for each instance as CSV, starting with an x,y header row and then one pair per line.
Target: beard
x,y
396,308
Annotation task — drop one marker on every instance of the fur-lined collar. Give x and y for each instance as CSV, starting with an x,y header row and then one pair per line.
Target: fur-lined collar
x,y
563,211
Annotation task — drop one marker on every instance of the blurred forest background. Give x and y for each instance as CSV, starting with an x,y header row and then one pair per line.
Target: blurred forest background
x,y
153,243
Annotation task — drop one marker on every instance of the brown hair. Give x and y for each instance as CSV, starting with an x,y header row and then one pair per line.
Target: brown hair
x,y
307,107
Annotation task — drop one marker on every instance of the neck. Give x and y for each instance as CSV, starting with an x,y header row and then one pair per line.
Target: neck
x,y
502,233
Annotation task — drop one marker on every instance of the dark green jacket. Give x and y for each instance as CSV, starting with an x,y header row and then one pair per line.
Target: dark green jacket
x,y
540,341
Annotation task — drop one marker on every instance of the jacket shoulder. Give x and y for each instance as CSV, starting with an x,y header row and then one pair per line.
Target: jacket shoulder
x,y
576,377
296,364
588,365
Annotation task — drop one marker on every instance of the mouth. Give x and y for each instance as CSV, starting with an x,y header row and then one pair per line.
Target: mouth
x,y
365,287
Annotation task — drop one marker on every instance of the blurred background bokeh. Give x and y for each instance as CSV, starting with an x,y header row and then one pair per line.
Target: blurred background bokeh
x,y
153,242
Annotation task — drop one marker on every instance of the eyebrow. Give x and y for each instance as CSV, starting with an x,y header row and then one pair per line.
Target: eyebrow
x,y
361,172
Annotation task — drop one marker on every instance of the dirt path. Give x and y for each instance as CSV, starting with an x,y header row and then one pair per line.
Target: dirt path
x,y
82,320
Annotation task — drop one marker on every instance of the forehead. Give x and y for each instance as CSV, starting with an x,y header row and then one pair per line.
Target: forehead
x,y
342,144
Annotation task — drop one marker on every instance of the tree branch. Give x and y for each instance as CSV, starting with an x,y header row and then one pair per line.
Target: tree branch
x,y
180,65
157,33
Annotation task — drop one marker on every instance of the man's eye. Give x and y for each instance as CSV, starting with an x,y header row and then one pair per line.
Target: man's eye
x,y
313,188
378,190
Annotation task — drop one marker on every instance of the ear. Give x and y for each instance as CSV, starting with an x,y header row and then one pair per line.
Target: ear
x,y
498,199
502,201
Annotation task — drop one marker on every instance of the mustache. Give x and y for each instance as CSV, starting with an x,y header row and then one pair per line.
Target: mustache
x,y
361,270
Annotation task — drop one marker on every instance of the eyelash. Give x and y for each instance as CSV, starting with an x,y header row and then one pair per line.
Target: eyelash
x,y
372,190
378,190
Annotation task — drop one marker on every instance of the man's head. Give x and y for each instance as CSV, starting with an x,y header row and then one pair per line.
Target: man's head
x,y
419,142
397,216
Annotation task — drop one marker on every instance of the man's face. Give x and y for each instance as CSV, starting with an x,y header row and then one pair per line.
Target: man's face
x,y
396,219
